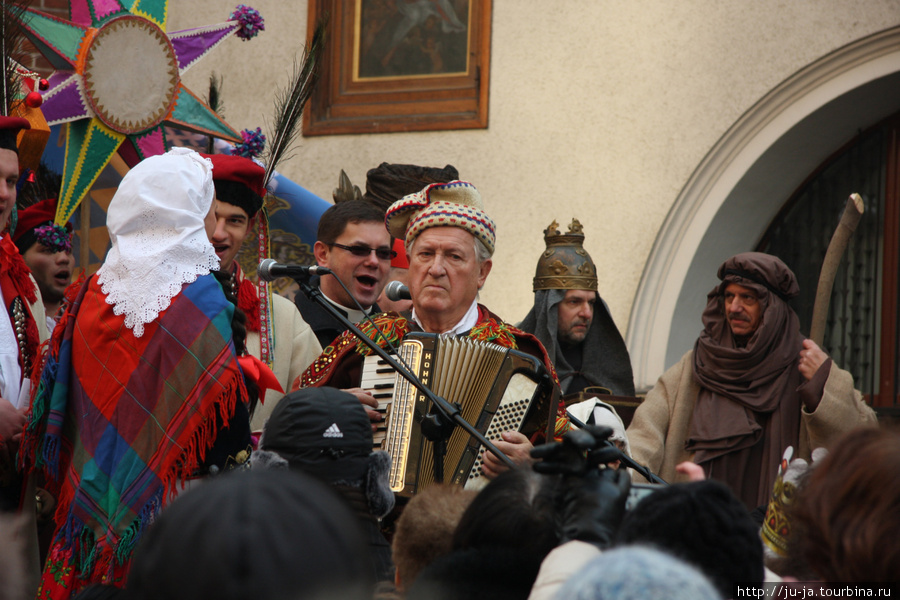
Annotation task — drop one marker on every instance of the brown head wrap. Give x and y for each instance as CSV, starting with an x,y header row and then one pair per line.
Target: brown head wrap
x,y
387,183
760,269
749,391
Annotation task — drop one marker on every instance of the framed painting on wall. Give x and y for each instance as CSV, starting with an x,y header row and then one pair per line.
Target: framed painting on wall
x,y
401,65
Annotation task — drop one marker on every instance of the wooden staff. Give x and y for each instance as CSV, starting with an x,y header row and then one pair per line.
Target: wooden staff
x,y
836,248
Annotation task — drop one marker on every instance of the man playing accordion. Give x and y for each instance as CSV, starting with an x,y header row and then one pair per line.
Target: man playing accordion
x,y
449,240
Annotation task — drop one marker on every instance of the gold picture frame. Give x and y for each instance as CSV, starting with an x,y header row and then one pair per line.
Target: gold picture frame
x,y
405,65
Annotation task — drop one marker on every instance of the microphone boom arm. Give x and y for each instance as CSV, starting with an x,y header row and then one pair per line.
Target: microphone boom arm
x,y
629,462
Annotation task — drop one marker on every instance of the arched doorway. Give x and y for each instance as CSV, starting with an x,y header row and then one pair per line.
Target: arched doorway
x,y
861,332
745,180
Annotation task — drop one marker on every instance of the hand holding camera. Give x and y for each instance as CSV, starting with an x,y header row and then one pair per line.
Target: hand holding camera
x,y
590,500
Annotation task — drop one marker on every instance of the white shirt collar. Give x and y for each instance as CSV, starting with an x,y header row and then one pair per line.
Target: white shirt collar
x,y
353,314
469,320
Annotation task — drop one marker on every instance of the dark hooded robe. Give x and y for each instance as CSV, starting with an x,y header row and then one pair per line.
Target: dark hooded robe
x,y
601,360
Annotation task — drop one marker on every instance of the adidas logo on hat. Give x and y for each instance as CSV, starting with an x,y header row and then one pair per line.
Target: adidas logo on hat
x,y
333,432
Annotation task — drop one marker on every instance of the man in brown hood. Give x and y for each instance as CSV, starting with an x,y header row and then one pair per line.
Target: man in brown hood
x,y
752,386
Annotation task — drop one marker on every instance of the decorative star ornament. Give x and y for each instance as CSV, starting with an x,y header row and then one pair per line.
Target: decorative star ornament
x,y
118,82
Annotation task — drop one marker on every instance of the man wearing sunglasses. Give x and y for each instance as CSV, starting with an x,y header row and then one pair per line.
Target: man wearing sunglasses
x,y
353,243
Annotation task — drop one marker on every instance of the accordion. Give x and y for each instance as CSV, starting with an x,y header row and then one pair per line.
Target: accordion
x,y
498,390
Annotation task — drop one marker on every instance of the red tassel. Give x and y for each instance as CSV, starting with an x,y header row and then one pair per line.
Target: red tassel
x,y
17,270
249,303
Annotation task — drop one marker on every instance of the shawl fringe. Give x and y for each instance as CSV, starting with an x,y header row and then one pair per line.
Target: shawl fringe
x,y
94,558
494,331
18,272
37,446
17,282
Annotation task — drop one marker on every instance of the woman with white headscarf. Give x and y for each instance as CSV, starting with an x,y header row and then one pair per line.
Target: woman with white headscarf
x,y
141,375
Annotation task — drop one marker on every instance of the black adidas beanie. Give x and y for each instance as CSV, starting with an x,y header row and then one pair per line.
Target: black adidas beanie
x,y
322,431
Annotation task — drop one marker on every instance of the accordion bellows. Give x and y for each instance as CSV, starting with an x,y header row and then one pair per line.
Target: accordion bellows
x,y
497,389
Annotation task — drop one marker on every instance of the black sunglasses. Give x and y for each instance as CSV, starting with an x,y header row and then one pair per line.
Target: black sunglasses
x,y
365,251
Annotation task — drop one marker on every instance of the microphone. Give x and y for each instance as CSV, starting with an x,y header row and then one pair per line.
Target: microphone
x,y
397,291
269,270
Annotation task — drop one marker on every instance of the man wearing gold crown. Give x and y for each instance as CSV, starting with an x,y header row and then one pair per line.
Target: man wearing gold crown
x,y
751,387
449,241
572,321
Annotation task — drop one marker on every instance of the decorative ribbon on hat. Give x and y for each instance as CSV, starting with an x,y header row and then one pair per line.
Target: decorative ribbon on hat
x,y
453,204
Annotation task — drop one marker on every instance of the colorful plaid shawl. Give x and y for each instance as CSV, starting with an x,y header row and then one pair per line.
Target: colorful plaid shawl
x,y
118,421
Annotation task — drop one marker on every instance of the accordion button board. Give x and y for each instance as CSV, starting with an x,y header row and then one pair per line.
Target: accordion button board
x,y
497,389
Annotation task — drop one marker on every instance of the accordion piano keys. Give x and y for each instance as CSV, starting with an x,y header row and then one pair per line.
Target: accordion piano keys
x,y
498,390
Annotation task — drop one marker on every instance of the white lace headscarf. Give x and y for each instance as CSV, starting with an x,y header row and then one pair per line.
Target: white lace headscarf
x,y
159,241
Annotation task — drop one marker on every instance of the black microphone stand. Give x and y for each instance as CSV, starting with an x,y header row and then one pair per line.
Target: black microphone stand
x,y
437,427
626,460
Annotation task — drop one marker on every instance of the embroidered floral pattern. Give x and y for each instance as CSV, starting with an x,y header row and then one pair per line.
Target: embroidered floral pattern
x,y
389,329
494,331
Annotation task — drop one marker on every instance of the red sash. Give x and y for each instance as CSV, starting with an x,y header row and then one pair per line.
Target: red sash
x,y
16,283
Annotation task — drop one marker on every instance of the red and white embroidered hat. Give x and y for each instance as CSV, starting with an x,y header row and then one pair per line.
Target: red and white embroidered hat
x,y
452,204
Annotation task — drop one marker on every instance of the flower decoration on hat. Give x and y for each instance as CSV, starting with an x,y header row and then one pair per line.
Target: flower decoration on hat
x,y
118,82
252,146
55,237
453,204
251,22
36,225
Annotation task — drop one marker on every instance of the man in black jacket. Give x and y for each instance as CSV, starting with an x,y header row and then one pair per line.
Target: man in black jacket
x,y
353,242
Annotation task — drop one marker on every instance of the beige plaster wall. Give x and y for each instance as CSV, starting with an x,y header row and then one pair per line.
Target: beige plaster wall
x,y
599,110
